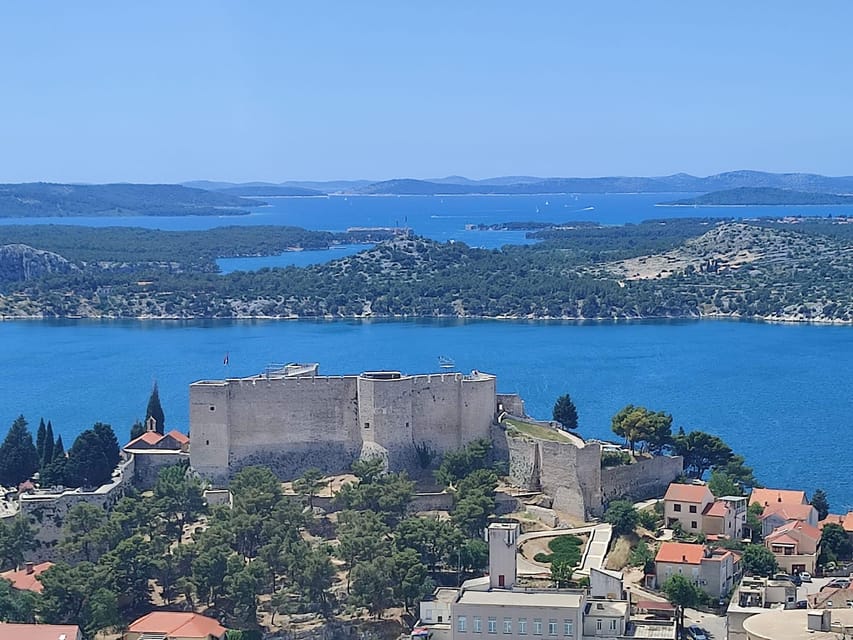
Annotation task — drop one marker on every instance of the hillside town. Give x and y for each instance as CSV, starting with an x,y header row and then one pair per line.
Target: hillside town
x,y
384,505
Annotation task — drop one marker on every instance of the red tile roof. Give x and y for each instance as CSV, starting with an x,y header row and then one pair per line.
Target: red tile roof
x,y
716,509
776,496
680,553
149,437
177,435
180,624
9,631
803,527
832,518
24,580
788,511
687,492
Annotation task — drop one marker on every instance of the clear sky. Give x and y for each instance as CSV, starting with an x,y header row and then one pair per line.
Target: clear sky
x,y
170,91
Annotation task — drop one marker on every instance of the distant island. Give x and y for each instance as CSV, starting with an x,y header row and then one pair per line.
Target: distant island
x,y
744,196
44,199
531,185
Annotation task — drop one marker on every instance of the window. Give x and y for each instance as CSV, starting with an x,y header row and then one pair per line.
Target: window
x,y
507,625
367,425
461,623
493,625
552,627
693,524
440,619
522,626
478,625
537,627
676,507
598,624
613,624
428,615
567,627
692,508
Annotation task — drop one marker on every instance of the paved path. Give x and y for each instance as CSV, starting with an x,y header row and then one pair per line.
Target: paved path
x,y
593,556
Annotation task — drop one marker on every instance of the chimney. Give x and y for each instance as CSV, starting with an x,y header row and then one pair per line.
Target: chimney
x,y
30,567
684,559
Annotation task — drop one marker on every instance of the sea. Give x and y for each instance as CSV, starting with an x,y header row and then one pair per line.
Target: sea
x,y
779,394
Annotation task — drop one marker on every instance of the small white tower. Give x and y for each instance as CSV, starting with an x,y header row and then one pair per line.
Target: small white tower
x,y
503,549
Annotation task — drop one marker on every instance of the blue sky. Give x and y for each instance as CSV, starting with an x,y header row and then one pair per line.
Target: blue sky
x,y
171,91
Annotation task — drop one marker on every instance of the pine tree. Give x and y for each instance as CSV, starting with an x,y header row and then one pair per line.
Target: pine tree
x,y
47,455
40,436
155,410
109,442
18,455
136,430
58,448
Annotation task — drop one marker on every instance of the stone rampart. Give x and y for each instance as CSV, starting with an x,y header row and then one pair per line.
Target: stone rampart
x,y
47,510
149,463
641,480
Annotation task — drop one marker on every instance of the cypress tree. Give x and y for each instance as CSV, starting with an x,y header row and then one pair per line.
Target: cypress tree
x,y
47,455
155,410
18,455
40,435
136,430
58,449
109,443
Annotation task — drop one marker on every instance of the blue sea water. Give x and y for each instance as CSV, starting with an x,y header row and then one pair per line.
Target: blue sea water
x,y
779,394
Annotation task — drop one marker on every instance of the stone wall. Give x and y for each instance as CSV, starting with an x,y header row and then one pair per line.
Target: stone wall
x,y
148,466
571,474
641,480
511,403
47,510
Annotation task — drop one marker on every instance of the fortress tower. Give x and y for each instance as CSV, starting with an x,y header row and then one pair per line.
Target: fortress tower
x,y
291,419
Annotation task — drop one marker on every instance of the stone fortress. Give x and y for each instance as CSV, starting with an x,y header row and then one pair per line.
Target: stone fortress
x,y
291,419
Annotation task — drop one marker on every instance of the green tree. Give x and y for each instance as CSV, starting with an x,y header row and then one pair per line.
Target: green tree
x,y
753,521
701,451
109,444
648,519
19,459
372,585
471,556
209,569
434,539
474,501
16,605
410,581
49,453
76,595
16,538
821,504
622,515
137,429
178,498
835,541
737,470
58,447
721,484
561,572
642,556
309,484
128,569
40,436
640,425
455,465
88,464
369,469
83,531
565,412
362,535
313,576
241,587
682,594
758,560
155,410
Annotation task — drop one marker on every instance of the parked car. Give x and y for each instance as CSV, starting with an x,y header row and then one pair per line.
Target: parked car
x,y
837,583
805,576
696,633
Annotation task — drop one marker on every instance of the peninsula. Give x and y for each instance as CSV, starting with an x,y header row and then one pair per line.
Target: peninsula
x,y
745,196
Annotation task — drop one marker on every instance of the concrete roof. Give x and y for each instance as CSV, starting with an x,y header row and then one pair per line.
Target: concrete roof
x,y
607,608
792,624
538,598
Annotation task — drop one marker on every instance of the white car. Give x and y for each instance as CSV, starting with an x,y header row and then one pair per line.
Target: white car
x,y
805,577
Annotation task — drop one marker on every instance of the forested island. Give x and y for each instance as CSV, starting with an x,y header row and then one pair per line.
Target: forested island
x,y
744,196
43,199
792,269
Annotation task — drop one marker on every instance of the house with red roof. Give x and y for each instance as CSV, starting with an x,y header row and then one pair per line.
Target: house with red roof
x,y
152,451
15,631
175,625
26,579
843,521
713,570
698,511
795,545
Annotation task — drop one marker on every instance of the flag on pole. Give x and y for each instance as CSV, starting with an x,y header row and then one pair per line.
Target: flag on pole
x,y
225,360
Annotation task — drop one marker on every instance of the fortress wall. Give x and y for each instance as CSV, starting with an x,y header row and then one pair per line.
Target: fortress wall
x,y
291,424
572,476
385,417
641,480
511,403
478,407
436,412
149,465
210,447
523,462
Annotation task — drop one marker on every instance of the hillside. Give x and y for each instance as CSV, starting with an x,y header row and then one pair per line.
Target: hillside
x,y
42,199
776,270
762,196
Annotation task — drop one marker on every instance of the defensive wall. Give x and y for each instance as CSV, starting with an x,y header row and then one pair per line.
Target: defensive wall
x,y
293,420
642,480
